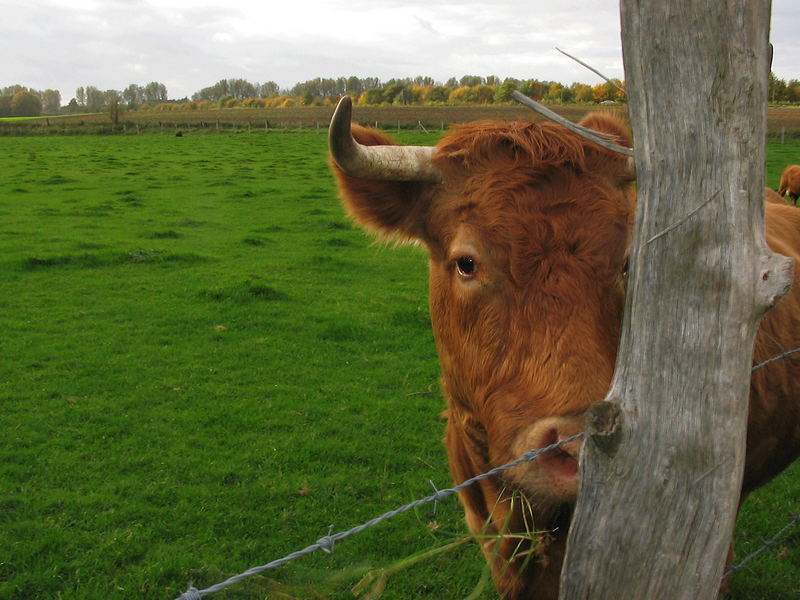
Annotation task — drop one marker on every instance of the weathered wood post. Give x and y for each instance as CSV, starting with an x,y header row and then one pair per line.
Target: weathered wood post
x,y
661,470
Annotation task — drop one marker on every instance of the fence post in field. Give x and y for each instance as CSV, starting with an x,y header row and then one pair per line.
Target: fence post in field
x,y
661,469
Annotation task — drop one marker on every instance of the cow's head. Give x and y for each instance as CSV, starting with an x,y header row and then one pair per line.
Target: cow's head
x,y
527,227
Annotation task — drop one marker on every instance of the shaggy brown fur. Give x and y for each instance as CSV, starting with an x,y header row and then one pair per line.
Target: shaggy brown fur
x,y
527,237
790,183
774,197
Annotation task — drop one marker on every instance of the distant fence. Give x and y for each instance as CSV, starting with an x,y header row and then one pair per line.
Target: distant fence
x,y
781,122
165,127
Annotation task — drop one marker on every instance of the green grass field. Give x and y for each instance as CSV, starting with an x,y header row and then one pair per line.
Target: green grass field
x,y
204,366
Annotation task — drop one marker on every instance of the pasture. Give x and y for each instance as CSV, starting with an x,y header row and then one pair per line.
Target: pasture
x,y
204,366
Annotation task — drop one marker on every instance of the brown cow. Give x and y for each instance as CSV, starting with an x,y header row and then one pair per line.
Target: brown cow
x,y
773,196
790,183
527,226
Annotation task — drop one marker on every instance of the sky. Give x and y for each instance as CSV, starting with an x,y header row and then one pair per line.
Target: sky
x,y
191,44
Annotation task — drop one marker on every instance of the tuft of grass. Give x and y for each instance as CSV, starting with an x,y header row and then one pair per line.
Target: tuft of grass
x,y
93,261
246,291
253,241
170,234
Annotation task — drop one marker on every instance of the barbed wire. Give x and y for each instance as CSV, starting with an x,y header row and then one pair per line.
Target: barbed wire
x,y
794,520
780,356
327,542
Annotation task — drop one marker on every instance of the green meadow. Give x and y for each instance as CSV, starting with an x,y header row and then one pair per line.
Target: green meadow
x,y
204,366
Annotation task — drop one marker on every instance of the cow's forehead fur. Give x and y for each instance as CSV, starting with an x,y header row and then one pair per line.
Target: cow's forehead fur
x,y
482,143
532,191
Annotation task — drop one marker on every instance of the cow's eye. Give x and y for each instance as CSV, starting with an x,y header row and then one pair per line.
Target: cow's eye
x,y
466,265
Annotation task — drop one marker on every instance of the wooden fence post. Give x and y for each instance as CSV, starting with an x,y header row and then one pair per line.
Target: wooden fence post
x,y
659,496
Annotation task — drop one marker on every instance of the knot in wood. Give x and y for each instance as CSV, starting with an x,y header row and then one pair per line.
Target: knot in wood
x,y
603,424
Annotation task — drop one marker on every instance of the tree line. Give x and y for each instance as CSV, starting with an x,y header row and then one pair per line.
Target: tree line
x,y
18,100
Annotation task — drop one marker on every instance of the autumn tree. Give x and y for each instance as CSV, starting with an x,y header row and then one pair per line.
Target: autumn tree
x,y
533,88
12,89
582,93
555,93
26,104
505,89
394,92
480,94
438,94
793,90
373,96
458,95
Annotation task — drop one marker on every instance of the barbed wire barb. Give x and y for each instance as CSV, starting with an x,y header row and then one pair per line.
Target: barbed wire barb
x,y
780,356
795,520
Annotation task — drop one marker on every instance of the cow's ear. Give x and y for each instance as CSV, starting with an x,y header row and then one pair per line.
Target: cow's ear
x,y
605,123
611,163
393,209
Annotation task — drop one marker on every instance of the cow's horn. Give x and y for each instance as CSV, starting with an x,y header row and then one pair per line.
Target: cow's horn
x,y
387,163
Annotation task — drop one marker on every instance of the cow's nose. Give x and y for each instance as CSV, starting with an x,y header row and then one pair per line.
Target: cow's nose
x,y
571,448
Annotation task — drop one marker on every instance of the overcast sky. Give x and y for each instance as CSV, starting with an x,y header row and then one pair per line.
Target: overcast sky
x,y
191,44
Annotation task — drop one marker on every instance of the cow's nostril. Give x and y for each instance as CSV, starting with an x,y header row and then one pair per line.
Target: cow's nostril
x,y
550,438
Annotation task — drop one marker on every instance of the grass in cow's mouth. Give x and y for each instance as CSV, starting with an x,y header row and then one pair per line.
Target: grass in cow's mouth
x,y
203,366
